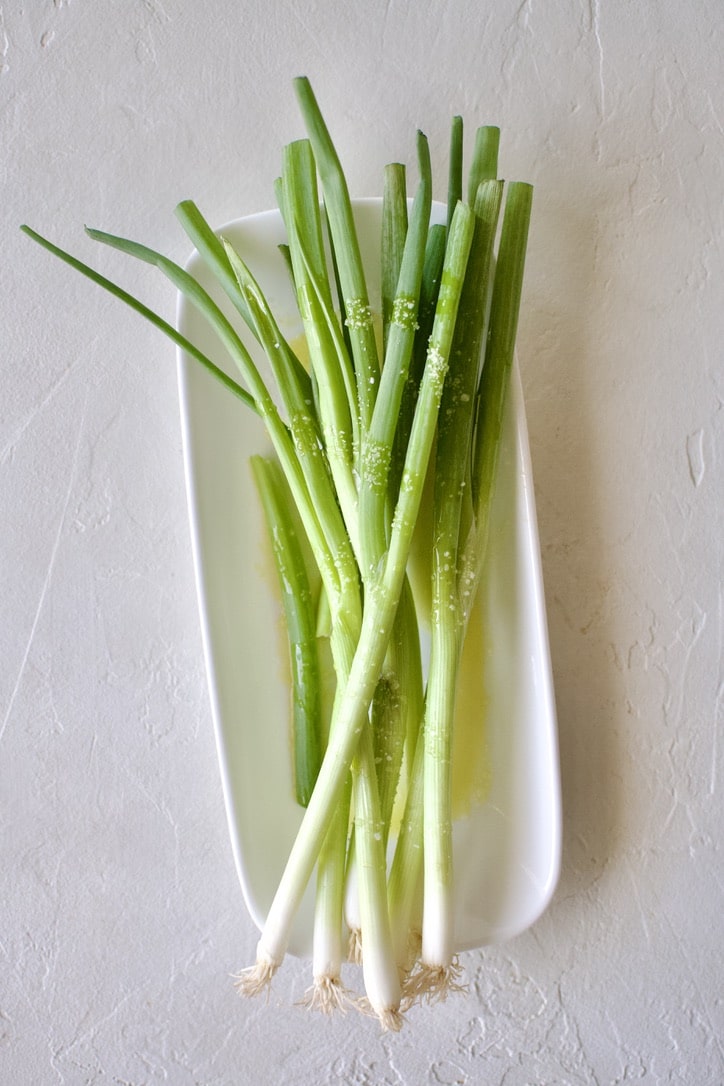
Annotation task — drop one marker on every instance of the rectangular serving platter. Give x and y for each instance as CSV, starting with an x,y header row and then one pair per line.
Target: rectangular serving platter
x,y
507,843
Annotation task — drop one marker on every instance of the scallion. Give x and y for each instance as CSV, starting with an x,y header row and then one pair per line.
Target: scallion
x,y
373,455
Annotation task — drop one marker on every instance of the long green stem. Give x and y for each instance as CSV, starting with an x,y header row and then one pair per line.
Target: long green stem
x,y
346,249
382,982
405,663
300,620
429,288
484,166
455,168
456,565
451,491
394,233
495,378
331,367
388,735
328,949
407,861
396,712
378,444
437,928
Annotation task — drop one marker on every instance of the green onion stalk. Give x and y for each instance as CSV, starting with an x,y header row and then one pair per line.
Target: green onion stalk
x,y
406,262
337,409
450,495
297,592
464,486
296,575
353,286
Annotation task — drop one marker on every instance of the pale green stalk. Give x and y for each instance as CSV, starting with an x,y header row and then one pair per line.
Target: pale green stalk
x,y
484,166
429,287
396,715
343,232
407,863
388,737
455,168
405,663
336,390
394,233
328,952
328,993
378,442
495,378
336,395
382,982
373,523
451,490
454,581
299,606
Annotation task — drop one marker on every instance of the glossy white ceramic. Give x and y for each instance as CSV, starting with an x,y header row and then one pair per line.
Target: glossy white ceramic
x,y
507,849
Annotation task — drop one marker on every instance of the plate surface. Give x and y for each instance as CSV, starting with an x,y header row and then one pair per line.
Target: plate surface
x,y
507,845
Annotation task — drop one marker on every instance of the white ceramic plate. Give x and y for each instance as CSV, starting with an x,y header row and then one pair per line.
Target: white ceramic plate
x,y
507,848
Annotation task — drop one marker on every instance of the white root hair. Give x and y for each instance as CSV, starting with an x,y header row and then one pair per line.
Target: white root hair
x,y
329,995
433,983
257,978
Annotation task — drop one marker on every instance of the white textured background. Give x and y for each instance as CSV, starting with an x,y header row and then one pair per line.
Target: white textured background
x,y
120,916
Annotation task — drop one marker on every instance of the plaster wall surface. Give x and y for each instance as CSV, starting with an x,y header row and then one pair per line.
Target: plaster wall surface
x,y
121,916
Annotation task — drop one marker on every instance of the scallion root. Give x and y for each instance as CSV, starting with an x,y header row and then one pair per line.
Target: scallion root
x,y
257,978
329,995
433,983
391,1019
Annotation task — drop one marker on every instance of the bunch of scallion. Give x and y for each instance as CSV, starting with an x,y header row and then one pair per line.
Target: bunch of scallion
x,y
363,437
